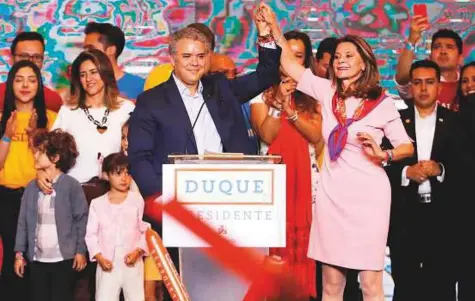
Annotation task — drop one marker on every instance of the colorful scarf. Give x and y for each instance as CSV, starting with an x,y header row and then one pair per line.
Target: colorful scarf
x,y
339,135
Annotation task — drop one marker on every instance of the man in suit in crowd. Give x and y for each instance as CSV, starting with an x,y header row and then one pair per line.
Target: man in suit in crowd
x,y
193,112
424,191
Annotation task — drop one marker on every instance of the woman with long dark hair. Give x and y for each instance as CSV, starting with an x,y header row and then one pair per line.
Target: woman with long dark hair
x,y
261,106
350,223
24,111
293,131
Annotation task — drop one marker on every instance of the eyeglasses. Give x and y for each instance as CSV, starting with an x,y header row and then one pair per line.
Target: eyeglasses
x,y
33,57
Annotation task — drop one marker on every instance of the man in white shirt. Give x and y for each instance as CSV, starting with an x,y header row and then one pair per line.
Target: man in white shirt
x,y
424,195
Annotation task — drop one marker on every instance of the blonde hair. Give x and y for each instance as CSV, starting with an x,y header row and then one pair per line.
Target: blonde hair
x,y
77,98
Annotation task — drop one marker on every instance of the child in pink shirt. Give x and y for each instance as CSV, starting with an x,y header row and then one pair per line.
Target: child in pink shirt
x,y
115,235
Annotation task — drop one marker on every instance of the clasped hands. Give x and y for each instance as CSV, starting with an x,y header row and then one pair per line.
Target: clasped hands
x,y
266,22
422,170
130,259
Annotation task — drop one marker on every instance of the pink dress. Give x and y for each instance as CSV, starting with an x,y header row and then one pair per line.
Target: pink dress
x,y
351,216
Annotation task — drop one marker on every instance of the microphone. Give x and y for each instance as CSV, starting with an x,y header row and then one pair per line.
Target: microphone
x,y
190,133
207,94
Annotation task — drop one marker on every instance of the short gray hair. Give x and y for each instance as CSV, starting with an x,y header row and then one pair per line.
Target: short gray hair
x,y
188,33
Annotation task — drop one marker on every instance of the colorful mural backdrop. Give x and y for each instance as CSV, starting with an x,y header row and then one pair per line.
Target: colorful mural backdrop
x,y
148,23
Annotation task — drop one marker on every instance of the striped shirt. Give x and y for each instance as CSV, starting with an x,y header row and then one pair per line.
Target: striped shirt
x,y
46,241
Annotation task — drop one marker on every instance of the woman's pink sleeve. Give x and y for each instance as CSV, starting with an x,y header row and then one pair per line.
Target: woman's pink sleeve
x,y
314,86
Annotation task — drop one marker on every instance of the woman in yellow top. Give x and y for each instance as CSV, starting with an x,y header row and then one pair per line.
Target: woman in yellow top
x,y
24,111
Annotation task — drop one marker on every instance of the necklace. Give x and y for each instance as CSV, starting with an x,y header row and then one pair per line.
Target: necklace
x,y
101,127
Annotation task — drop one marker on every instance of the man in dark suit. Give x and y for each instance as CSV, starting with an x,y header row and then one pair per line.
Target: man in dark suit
x,y
424,202
194,113
466,223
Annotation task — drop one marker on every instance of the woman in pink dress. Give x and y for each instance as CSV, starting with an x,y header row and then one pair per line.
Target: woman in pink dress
x,y
351,216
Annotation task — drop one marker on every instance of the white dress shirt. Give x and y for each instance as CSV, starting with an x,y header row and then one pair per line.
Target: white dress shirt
x,y
206,134
425,130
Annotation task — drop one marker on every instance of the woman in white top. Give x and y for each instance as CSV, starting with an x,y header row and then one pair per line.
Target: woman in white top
x,y
94,114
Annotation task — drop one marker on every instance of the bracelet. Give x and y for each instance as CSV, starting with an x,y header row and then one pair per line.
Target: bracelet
x,y
6,139
273,112
265,39
294,117
389,154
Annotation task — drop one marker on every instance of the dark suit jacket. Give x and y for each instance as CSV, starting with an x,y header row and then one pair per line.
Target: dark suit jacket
x,y
405,209
466,222
160,124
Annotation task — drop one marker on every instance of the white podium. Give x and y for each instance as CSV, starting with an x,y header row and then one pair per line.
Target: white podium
x,y
242,197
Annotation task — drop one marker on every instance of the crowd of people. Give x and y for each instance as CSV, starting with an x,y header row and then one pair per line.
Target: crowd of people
x,y
360,174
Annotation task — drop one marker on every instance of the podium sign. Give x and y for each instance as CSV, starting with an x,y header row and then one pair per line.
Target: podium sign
x,y
244,202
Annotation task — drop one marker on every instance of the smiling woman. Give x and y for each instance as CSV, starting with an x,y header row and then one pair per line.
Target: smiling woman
x,y
24,110
349,226
95,113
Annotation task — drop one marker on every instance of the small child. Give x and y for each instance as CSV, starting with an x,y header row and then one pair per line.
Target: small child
x,y
153,280
51,228
115,235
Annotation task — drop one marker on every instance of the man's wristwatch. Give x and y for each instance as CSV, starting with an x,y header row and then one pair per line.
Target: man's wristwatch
x,y
441,167
19,256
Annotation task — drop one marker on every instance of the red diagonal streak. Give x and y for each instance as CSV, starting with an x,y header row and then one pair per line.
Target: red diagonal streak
x,y
242,261
267,276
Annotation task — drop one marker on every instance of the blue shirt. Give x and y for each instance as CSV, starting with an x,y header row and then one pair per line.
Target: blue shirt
x,y
130,86
206,134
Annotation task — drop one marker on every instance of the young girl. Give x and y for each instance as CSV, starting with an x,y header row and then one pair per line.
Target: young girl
x,y
118,247
23,111
153,280
51,227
